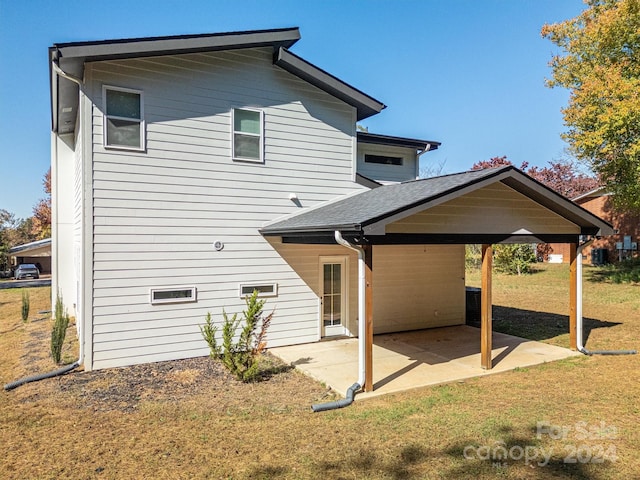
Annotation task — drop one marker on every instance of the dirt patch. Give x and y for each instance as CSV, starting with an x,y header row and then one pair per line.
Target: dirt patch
x,y
126,389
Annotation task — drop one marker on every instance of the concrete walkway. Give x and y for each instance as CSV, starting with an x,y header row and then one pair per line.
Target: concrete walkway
x,y
402,361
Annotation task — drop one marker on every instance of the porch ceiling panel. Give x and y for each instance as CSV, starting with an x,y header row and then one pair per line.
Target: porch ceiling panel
x,y
500,204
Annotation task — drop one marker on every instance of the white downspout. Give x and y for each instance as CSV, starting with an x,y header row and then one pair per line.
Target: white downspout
x,y
427,147
361,305
62,73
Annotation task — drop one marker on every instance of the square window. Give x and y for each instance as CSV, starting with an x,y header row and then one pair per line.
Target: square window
x,y
123,118
247,136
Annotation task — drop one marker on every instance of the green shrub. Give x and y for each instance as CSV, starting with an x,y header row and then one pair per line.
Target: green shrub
x,y
472,256
626,271
515,259
25,304
240,353
59,331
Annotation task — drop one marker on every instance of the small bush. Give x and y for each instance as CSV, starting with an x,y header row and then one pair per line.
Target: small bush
x,y
472,256
59,331
25,305
626,271
240,353
515,259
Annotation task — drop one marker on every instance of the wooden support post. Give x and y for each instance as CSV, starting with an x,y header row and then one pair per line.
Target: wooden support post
x,y
573,296
368,356
486,329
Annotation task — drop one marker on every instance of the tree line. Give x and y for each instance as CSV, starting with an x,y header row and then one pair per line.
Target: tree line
x,y
17,231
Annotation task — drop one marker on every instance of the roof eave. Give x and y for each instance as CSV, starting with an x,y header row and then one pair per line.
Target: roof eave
x,y
352,229
72,57
365,105
389,140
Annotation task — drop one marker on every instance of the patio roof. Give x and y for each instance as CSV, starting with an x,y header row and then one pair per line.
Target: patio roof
x,y
363,217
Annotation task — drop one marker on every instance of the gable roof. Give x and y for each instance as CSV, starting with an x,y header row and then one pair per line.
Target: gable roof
x,y
71,58
27,247
368,213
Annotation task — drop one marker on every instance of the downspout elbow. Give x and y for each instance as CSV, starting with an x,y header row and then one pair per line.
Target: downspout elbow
x,y
353,389
63,74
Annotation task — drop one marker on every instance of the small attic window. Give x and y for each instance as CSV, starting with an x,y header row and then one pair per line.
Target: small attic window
x,y
383,159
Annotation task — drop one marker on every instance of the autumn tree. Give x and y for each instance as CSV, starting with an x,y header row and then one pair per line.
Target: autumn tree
x,y
562,176
41,227
600,65
13,231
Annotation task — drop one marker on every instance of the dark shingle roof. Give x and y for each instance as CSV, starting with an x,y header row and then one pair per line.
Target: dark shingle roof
x,y
384,204
354,212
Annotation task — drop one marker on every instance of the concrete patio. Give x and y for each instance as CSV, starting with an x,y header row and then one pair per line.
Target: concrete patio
x,y
402,361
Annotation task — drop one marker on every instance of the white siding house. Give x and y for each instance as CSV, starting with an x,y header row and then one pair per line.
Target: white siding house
x,y
173,206
188,170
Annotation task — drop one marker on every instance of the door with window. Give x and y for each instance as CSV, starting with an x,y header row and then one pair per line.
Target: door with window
x,y
333,295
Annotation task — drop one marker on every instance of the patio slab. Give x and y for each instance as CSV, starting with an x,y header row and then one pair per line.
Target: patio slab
x,y
402,361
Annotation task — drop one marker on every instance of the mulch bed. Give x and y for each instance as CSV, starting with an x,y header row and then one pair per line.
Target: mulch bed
x,y
125,389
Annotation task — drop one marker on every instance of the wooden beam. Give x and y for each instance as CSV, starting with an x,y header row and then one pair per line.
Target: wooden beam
x,y
573,295
368,356
486,329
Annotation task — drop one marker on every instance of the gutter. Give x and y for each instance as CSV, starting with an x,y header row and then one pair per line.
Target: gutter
x,y
353,389
579,326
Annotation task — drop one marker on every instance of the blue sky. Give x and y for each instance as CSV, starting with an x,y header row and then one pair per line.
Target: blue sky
x,y
467,73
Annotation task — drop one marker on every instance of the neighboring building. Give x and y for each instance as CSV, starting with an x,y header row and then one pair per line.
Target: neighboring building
x,y
38,253
623,244
188,171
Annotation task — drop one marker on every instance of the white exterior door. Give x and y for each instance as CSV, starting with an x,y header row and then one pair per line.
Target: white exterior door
x,y
333,296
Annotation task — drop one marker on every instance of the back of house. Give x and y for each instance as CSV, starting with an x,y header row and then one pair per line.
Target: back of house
x,y
169,154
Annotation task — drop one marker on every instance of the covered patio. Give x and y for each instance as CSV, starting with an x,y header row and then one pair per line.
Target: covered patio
x,y
407,360
487,207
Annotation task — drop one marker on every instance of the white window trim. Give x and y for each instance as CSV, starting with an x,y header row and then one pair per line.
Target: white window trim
x,y
260,136
274,293
143,126
193,298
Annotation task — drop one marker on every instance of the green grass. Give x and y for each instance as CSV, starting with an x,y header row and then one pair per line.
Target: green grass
x,y
266,430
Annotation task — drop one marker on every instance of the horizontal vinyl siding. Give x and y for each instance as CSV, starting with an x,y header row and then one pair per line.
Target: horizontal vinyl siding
x,y
417,286
157,213
493,209
305,261
387,173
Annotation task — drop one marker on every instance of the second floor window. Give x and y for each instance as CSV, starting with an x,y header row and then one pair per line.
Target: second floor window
x,y
123,118
247,135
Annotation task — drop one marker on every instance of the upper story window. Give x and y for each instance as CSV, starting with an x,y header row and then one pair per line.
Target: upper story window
x,y
383,159
247,135
123,118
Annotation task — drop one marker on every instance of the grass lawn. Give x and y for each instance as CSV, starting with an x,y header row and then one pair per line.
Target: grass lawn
x,y
576,418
